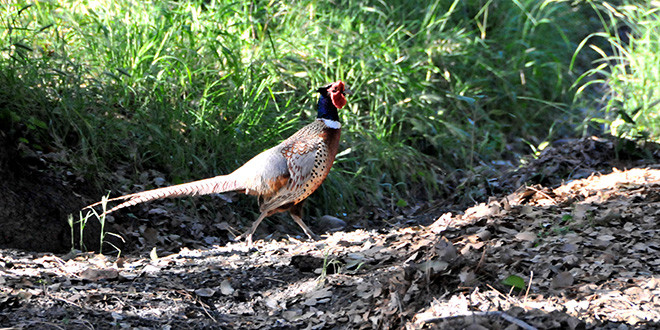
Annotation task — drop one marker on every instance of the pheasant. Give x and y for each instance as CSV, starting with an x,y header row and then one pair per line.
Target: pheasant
x,y
282,177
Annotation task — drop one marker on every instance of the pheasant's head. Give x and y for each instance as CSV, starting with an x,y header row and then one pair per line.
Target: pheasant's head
x,y
333,97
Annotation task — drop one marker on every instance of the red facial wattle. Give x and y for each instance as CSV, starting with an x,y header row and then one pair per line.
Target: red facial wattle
x,y
337,94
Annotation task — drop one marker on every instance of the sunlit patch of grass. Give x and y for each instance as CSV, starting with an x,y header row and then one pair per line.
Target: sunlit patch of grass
x,y
628,69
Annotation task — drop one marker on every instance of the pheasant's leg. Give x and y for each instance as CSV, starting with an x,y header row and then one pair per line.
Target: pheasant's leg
x,y
296,214
248,235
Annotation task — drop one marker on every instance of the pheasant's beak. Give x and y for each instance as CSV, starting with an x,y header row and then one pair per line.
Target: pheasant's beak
x,y
347,91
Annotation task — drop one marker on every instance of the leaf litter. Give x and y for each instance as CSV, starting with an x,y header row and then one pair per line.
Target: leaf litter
x,y
581,254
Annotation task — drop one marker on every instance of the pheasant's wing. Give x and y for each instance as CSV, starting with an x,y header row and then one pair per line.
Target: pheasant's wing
x,y
305,164
301,159
264,174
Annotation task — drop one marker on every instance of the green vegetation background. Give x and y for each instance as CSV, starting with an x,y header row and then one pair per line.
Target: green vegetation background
x,y
442,88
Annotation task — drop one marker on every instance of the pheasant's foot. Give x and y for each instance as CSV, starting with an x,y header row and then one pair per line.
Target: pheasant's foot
x,y
245,237
313,237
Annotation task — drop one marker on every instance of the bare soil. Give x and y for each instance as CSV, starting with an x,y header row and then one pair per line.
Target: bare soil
x,y
573,245
34,199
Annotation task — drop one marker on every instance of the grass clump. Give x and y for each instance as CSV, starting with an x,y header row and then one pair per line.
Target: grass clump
x,y
195,89
628,70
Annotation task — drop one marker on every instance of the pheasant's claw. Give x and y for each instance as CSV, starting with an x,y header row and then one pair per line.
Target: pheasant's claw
x,y
247,237
314,237
239,238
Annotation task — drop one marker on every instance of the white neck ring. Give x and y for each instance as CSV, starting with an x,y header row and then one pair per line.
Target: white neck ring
x,y
331,123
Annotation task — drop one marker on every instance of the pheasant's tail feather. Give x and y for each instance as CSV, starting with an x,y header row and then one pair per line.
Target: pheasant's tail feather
x,y
120,198
218,184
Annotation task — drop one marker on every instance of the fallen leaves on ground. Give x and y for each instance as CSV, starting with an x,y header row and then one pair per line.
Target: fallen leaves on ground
x,y
580,255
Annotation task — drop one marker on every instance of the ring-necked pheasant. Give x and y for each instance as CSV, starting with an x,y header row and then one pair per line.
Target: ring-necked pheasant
x,y
282,177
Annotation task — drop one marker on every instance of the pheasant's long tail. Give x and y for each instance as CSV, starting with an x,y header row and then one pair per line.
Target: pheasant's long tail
x,y
218,184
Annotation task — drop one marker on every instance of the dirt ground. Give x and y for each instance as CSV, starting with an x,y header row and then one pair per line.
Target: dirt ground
x,y
574,244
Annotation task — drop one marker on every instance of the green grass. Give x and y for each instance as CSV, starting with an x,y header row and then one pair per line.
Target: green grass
x,y
194,89
628,70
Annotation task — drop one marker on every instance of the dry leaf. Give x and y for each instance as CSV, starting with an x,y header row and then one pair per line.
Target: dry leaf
x,y
562,280
225,288
526,236
467,277
434,265
606,238
205,292
580,211
93,274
